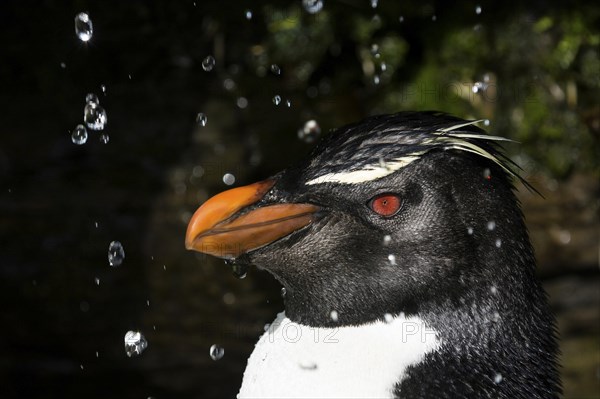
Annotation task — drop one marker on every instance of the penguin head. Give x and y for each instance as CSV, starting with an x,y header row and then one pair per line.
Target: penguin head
x,y
383,216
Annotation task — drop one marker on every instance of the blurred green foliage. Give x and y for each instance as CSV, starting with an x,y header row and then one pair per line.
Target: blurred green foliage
x,y
538,69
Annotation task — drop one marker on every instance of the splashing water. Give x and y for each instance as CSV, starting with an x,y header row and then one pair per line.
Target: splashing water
x,y
309,132
201,119
135,343
83,27
116,254
228,179
94,116
216,352
208,63
79,135
312,6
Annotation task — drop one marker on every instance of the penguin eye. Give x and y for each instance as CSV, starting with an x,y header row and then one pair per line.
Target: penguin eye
x,y
385,204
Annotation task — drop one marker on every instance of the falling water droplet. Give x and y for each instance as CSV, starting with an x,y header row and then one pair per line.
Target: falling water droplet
x,y
392,259
79,135
312,6
401,18
104,138
242,102
376,79
103,88
498,378
239,270
491,225
91,98
208,63
201,119
94,116
334,315
388,318
374,3
310,131
83,27
216,352
97,281
277,100
486,122
248,15
498,243
283,292
387,239
116,254
228,179
470,230
478,9
288,103
275,69
135,343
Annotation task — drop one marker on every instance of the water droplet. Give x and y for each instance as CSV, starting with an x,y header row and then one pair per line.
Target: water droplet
x,y
374,49
248,15
388,318
487,174
376,79
242,102
63,65
387,239
201,119
283,292
498,243
97,354
564,236
491,225
334,315
498,378
275,69
208,63
83,27
239,271
228,179
477,87
79,135
135,343
312,6
116,254
277,100
401,18
470,230
103,88
486,122
310,131
92,98
216,352
104,138
392,259
478,9
229,84
97,281
288,103
493,289
374,3
148,302
383,67
94,116
496,316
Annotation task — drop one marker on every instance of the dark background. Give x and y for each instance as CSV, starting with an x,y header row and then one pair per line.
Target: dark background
x,y
61,204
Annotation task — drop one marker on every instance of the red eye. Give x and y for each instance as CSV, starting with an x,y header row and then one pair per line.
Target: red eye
x,y
385,204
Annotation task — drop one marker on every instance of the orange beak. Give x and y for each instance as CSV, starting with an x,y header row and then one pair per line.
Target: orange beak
x,y
216,230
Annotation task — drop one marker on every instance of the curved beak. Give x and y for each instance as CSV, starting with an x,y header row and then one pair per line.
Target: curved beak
x,y
218,227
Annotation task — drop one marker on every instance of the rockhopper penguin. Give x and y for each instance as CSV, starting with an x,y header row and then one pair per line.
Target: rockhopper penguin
x,y
406,263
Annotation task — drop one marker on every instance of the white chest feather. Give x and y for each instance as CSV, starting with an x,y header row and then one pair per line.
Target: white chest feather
x,y
295,361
